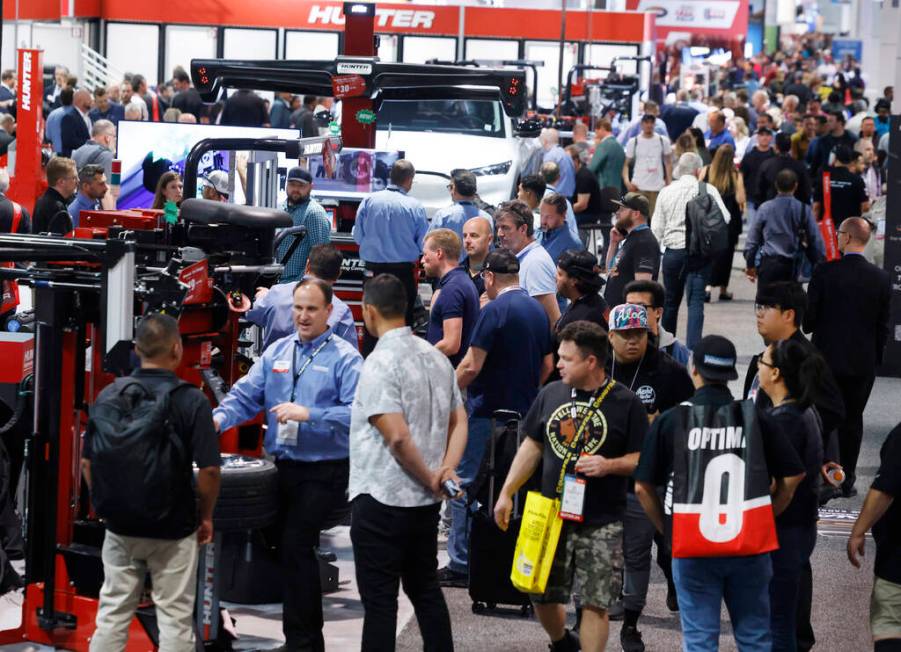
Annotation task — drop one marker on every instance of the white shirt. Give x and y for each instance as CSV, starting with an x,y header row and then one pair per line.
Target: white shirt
x,y
139,102
668,222
85,117
649,155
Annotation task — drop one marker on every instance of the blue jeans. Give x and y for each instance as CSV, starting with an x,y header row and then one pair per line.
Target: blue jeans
x,y
743,582
795,547
458,537
677,282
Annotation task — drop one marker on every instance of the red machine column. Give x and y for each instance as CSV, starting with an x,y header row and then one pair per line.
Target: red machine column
x,y
359,41
26,184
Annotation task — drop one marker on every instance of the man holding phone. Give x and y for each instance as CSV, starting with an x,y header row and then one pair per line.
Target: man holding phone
x,y
634,253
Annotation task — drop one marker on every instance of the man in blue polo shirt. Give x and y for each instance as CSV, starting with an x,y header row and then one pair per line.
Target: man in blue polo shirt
x,y
92,187
509,357
463,189
455,304
537,272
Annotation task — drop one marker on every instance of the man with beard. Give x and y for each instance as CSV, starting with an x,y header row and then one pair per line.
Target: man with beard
x,y
634,252
477,237
305,212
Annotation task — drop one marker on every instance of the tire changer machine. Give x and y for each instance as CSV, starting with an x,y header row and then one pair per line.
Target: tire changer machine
x,y
89,292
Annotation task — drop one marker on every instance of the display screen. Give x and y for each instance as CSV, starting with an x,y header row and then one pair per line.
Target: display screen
x,y
148,150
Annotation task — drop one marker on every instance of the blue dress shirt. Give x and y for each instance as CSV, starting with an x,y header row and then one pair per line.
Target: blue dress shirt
x,y
81,203
390,227
326,388
570,213
566,184
453,217
273,313
558,240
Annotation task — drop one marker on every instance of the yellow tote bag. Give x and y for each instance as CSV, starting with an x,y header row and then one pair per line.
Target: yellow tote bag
x,y
536,544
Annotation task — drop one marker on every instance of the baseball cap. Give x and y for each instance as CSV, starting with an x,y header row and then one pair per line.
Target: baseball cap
x,y
582,266
714,357
765,130
882,103
636,201
218,181
628,316
297,173
501,261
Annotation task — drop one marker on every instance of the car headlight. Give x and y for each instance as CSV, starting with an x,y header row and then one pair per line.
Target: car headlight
x,y
491,170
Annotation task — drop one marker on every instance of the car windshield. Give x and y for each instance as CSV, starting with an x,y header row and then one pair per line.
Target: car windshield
x,y
467,117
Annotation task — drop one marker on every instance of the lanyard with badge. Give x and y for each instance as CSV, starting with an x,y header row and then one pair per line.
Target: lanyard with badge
x,y
286,435
572,487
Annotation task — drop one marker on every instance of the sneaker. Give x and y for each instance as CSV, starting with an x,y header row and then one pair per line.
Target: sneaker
x,y
452,579
672,600
569,643
630,638
725,296
616,611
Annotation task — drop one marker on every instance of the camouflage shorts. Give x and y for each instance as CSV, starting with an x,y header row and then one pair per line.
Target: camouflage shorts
x,y
593,556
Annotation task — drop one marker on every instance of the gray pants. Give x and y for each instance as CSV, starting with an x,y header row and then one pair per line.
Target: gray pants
x,y
173,569
639,535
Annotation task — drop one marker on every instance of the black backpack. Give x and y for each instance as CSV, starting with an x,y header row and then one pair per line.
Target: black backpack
x,y
707,225
140,468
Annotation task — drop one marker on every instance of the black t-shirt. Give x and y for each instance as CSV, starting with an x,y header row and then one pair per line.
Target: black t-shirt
x,y
848,193
750,170
656,463
587,184
615,429
244,109
188,101
477,280
801,428
589,307
639,252
772,167
193,421
887,530
658,381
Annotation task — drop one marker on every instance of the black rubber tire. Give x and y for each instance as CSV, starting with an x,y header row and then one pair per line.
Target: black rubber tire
x,y
248,494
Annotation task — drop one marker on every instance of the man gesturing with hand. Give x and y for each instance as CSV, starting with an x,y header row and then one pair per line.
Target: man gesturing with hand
x,y
305,382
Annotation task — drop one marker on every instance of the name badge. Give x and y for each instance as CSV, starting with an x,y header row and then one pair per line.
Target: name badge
x,y
572,502
286,435
281,366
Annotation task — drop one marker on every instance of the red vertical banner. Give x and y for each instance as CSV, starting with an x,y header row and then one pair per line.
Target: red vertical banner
x,y
25,184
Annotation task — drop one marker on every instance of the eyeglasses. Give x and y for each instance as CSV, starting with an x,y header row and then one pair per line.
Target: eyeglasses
x,y
761,307
766,364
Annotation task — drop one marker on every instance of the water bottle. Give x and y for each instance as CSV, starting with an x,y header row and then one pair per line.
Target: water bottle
x,y
836,476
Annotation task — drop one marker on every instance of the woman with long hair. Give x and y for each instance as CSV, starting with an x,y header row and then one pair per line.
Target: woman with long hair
x,y
792,379
684,143
741,136
700,145
168,188
722,175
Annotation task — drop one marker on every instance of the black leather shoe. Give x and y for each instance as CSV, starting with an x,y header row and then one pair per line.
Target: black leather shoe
x,y
452,579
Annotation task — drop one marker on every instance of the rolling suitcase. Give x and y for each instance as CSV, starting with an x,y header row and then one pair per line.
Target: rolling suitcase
x,y
490,549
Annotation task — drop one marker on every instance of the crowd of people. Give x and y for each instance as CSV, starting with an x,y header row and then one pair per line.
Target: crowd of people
x,y
635,430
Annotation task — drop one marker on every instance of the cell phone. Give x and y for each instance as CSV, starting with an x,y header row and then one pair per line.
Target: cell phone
x,y
451,488
621,231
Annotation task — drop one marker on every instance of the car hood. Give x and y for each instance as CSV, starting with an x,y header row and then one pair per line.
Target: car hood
x,y
441,152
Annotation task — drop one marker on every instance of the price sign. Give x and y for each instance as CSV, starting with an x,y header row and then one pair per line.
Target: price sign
x,y
348,86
